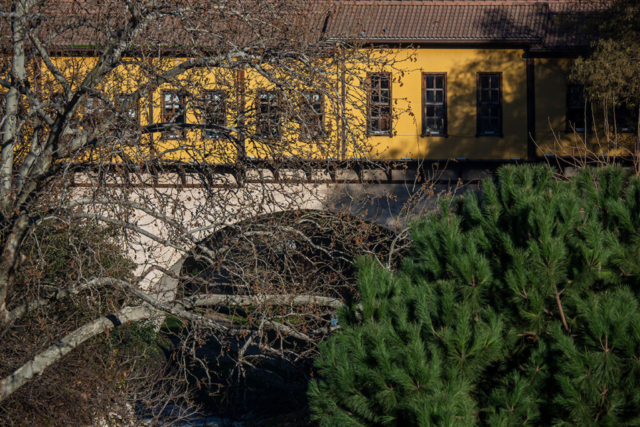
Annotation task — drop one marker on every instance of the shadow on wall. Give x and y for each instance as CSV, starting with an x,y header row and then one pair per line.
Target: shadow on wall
x,y
498,23
551,85
463,114
462,67
391,206
552,133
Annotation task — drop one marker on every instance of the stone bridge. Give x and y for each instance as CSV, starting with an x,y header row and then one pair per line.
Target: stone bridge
x,y
168,213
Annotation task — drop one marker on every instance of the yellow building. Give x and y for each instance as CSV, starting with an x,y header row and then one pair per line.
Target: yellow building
x,y
480,79
489,81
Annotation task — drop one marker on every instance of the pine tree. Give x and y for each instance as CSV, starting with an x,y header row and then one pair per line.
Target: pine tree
x,y
518,305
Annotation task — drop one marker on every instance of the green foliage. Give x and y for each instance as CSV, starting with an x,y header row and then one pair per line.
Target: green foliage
x,y
611,72
470,330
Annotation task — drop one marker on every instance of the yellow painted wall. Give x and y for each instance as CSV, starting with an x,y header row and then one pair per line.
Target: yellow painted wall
x,y
461,66
551,105
291,142
552,78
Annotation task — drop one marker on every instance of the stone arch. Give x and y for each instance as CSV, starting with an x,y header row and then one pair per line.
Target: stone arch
x,y
170,283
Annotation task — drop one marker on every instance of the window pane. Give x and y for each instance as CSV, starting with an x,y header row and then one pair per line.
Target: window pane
x,y
430,82
576,119
269,115
312,124
435,104
626,118
489,120
379,101
430,97
576,96
214,112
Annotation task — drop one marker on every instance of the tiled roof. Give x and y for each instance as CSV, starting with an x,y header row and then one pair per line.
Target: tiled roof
x,y
566,24
548,23
540,24
441,22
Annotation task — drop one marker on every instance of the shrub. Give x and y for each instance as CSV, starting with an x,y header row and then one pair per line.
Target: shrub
x,y
105,376
517,305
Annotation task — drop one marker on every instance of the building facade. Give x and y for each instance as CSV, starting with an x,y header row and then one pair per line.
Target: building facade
x,y
475,79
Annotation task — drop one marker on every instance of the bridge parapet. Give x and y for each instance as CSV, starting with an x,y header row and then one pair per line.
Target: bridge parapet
x,y
170,211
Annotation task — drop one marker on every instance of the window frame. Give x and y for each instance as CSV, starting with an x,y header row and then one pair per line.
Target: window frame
x,y
321,133
173,134
445,127
203,115
93,110
135,107
370,131
479,131
260,130
586,111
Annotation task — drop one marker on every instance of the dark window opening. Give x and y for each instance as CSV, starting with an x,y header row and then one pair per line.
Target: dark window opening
x,y
434,110
214,113
131,114
489,114
174,111
578,113
269,115
94,111
380,103
626,118
313,116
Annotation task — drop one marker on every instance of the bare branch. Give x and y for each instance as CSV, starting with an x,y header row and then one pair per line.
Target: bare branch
x,y
58,350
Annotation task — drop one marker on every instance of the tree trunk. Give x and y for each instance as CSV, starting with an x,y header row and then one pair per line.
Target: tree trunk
x,y
58,350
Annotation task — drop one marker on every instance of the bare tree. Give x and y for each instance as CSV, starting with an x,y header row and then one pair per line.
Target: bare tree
x,y
207,133
604,125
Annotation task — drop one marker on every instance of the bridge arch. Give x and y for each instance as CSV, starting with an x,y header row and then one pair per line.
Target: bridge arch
x,y
304,245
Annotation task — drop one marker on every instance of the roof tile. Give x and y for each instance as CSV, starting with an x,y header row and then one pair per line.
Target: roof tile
x,y
529,21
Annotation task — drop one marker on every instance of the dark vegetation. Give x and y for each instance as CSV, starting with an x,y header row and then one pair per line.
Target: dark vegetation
x,y
516,306
287,253
108,375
